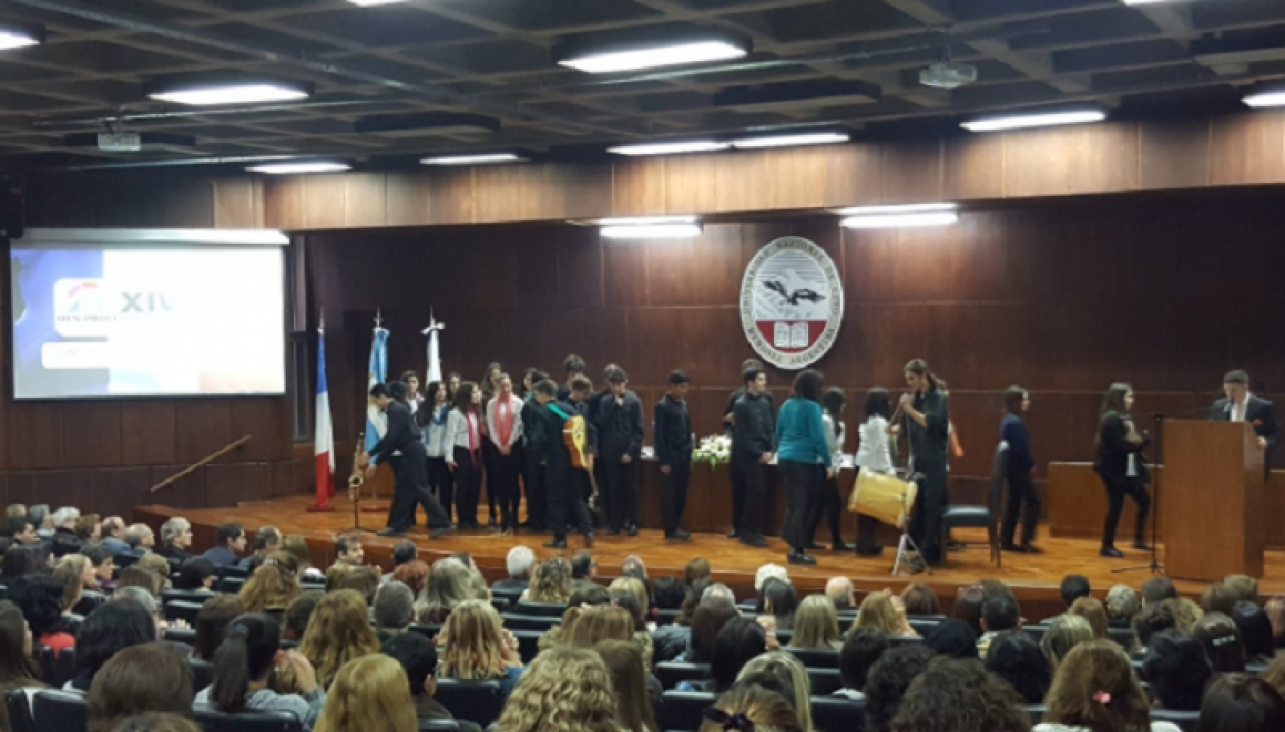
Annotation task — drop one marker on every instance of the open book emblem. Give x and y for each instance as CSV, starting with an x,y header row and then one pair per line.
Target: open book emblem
x,y
791,302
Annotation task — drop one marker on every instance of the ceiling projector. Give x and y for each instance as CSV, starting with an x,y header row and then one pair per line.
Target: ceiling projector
x,y
948,75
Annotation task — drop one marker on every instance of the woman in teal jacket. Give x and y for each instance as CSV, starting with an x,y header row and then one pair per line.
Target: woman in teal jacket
x,y
805,462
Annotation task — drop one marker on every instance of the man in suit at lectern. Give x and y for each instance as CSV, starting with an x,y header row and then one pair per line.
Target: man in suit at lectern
x,y
1242,406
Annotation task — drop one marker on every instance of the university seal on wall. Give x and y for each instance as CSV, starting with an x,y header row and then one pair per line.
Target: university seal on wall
x,y
791,302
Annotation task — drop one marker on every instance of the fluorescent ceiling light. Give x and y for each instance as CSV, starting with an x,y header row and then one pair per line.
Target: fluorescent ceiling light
x,y
11,38
1264,98
652,231
647,221
264,237
1034,119
473,159
813,138
669,148
898,221
299,168
901,209
1146,2
373,3
660,55
243,92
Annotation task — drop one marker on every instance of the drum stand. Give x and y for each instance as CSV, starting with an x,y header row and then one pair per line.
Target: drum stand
x,y
908,555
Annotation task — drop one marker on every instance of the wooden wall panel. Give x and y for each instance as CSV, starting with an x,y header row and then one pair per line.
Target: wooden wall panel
x,y
973,167
325,201
1174,154
1103,158
92,434
238,203
638,187
365,200
186,492
691,183
911,172
118,490
65,487
1247,150
147,432
283,203
35,434
202,428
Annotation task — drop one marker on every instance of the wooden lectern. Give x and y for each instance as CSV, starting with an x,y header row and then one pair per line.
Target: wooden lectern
x,y
1213,500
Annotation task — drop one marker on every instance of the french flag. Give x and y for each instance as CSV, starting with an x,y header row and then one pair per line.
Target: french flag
x,y
324,437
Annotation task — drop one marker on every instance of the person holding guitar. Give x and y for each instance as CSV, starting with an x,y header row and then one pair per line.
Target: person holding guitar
x,y
555,418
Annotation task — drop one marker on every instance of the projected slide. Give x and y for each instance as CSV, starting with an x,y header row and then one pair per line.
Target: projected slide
x,y
143,320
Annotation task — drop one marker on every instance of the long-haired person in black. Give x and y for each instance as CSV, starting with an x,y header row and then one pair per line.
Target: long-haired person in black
x,y
805,461
533,480
246,658
432,420
874,452
1020,472
836,433
489,386
464,453
927,411
1121,466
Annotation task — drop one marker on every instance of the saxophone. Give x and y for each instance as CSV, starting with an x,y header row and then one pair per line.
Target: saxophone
x,y
358,476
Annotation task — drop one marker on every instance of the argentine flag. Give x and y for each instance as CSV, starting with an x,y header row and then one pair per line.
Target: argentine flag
x,y
377,373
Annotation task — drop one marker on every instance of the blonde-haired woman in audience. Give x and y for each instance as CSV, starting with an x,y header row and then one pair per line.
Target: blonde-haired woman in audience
x,y
449,585
630,594
338,632
370,694
475,646
1122,605
1187,613
297,547
336,575
816,625
1095,690
789,671
1065,632
272,587
880,610
551,582
629,681
766,710
74,572
1275,609
157,565
1092,610
564,690
596,624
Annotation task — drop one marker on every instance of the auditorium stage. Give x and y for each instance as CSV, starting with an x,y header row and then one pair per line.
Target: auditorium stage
x,y
1034,577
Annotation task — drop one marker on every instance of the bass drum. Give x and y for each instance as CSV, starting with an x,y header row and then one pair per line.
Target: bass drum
x,y
885,497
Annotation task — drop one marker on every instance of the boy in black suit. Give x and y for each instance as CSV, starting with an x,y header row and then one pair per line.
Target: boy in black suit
x,y
565,499
620,437
1242,406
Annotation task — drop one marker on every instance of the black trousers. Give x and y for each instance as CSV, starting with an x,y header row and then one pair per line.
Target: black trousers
x,y
502,482
468,485
566,501
867,529
622,487
832,507
803,483
674,500
925,522
440,482
1021,492
537,494
490,453
1116,491
749,491
411,491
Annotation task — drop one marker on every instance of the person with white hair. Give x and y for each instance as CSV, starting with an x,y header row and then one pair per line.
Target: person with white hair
x,y
520,561
140,539
176,539
770,571
634,567
718,592
65,520
1122,605
841,593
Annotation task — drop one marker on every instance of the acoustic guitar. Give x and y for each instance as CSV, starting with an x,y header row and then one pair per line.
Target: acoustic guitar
x,y
575,435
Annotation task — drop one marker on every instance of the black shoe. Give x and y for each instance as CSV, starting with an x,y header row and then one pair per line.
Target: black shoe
x,y
556,544
1009,546
1031,549
873,550
734,534
756,540
678,535
841,546
441,533
588,540
631,531
798,557
390,531
1110,551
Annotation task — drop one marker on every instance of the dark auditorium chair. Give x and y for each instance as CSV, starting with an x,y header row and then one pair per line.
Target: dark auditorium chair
x,y
824,681
19,706
231,585
528,622
1035,712
815,657
64,667
895,641
438,725
670,673
121,561
428,630
64,711
667,617
197,596
980,517
232,570
528,643
501,604
1185,721
684,710
541,609
44,656
202,673
471,701
183,610
1123,638
511,595
186,636
923,626
785,636
838,713
215,721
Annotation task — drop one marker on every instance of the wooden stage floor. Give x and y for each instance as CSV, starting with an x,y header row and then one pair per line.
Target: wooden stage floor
x,y
1034,577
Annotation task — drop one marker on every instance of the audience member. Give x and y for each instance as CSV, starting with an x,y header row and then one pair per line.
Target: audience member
x,y
861,648
145,579
520,561
1016,658
740,640
1092,610
151,677
475,646
299,614
297,547
148,602
888,681
1095,690
365,581
954,639
551,582
1158,589
176,539
1122,605
920,600
448,586
348,550
564,690
140,539
1217,598
40,599
418,658
18,671
229,542
21,531
780,602
1186,614
959,696
634,568
697,569
393,611
1255,632
336,575
1274,674
248,655
761,709
841,593
15,509
1220,638
706,623
103,561
72,573
629,682
370,694
20,561
878,611
1242,587
1152,619
89,529
667,593
338,632
1176,669
1075,586
816,625
156,722
194,574
1242,703
404,551
765,573
118,625
41,520
157,565
267,539
1275,609
212,623
583,568
968,607
1064,633
789,675
1000,613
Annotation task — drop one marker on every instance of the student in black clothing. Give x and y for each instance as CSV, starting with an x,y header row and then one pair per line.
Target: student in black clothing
x,y
1021,482
728,411
1121,466
581,401
547,442
620,438
411,472
537,496
574,366
753,438
927,410
673,428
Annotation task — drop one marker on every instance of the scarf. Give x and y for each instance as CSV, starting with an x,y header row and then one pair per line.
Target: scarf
x,y
439,417
504,419
473,446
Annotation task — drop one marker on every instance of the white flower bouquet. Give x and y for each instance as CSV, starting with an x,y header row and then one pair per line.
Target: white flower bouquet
x,y
714,449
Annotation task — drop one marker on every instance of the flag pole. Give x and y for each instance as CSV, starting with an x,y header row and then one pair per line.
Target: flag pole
x,y
323,433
